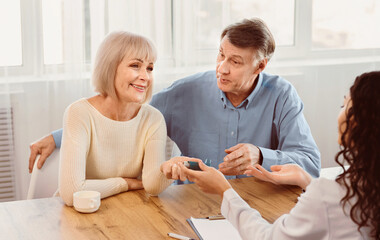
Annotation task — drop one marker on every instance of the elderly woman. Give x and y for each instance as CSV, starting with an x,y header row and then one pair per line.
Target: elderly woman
x,y
345,208
113,142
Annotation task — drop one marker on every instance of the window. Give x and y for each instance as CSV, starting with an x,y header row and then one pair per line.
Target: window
x,y
346,24
55,36
150,18
10,27
278,14
52,31
198,24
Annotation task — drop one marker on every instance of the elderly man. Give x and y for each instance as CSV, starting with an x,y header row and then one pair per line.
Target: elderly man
x,y
235,116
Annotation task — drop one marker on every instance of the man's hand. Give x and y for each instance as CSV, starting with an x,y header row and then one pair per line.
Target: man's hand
x,y
239,158
209,180
290,174
171,168
44,146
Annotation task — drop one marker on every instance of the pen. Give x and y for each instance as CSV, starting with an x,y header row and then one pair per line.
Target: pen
x,y
177,236
216,217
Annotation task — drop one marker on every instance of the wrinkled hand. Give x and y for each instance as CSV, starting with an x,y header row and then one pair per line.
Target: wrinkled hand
x,y
171,168
209,180
44,146
291,174
239,158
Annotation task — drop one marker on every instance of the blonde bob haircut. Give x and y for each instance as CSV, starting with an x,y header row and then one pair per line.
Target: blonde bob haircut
x,y
114,48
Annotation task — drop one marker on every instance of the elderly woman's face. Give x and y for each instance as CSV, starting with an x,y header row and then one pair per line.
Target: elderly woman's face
x,y
347,103
133,79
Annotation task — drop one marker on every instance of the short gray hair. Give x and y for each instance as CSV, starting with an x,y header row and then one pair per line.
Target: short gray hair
x,y
251,33
115,47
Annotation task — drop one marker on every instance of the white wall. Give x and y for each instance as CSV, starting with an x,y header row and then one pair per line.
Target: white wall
x,y
321,86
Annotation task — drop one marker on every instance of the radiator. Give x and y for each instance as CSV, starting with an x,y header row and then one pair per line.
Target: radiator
x,y
7,173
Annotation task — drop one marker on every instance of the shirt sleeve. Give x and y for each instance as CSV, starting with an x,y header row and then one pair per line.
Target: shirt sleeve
x,y
307,220
295,142
153,179
57,135
73,158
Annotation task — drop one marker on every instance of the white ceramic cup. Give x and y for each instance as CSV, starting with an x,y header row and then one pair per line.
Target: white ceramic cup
x,y
86,201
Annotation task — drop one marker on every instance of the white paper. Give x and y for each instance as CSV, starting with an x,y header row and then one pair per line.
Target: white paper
x,y
215,229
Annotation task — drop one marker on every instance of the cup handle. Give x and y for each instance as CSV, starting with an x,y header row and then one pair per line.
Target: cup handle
x,y
92,205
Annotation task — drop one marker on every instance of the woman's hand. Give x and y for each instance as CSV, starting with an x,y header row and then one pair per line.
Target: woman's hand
x,y
134,184
291,174
209,180
171,168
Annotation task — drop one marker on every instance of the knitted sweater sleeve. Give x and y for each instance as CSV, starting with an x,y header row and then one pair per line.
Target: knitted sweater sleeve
x,y
154,155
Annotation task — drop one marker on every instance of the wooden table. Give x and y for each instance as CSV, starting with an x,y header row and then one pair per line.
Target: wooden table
x,y
136,215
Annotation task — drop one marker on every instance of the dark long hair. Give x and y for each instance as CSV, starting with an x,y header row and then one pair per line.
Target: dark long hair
x,y
361,150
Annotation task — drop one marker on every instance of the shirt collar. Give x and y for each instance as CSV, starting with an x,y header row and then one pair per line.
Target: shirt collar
x,y
246,101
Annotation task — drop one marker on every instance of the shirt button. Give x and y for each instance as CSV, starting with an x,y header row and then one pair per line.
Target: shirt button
x,y
232,133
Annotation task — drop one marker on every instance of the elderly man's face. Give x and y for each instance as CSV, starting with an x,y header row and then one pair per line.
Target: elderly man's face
x,y
236,70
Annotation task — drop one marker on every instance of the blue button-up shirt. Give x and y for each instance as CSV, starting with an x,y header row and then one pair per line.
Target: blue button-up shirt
x,y
203,122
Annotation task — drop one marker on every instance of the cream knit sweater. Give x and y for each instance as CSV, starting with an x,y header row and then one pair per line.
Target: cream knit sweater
x,y
97,152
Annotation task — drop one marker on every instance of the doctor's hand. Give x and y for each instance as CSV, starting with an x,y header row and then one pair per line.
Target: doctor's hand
x,y
44,146
239,158
290,174
172,170
209,180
